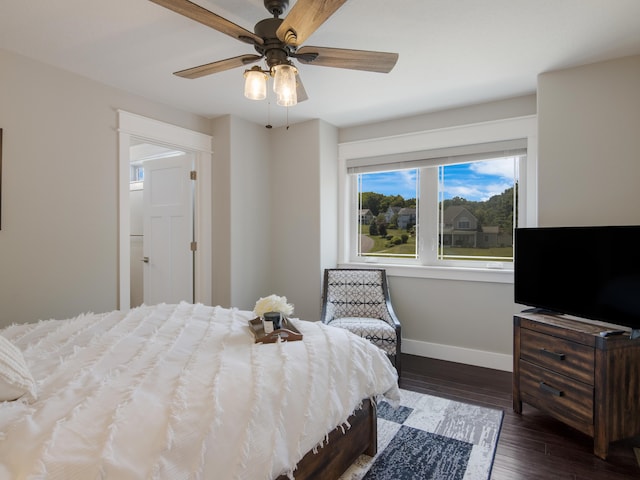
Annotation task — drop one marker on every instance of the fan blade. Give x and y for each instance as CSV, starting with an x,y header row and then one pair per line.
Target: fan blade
x,y
219,66
301,93
210,19
369,61
304,18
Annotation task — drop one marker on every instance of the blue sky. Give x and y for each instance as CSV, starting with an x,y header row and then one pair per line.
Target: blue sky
x,y
477,181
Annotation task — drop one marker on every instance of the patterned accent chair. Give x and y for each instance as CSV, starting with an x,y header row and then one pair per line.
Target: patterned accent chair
x,y
358,300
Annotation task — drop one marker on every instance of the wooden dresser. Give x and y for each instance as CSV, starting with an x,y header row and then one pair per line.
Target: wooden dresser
x,y
565,367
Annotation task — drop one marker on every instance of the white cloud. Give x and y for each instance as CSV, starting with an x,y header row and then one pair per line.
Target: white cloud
x,y
503,167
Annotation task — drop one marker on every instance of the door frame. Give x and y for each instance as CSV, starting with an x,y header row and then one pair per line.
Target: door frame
x,y
131,125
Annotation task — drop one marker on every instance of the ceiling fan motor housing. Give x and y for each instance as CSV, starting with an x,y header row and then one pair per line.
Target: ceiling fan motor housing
x,y
275,51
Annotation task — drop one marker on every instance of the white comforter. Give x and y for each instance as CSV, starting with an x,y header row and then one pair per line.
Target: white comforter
x,y
180,392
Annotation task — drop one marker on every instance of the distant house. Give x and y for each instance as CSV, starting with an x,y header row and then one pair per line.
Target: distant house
x,y
494,237
461,229
390,213
365,216
406,218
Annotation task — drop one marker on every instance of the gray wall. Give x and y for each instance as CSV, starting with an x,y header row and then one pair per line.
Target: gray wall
x,y
589,144
461,321
588,124
274,198
484,112
242,212
304,219
59,237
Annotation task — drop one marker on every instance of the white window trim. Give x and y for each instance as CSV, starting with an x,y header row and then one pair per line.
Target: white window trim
x,y
492,131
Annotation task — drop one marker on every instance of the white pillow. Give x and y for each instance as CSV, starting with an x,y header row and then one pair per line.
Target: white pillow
x,y
15,378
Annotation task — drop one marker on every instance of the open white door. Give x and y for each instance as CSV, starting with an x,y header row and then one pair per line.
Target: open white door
x,y
168,230
132,130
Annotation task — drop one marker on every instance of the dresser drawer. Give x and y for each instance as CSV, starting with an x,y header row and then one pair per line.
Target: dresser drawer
x,y
566,368
564,397
558,354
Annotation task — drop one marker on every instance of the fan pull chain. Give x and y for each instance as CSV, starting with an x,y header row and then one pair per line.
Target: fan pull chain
x,y
268,125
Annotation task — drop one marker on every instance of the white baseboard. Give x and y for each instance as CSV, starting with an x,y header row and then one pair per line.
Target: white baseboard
x,y
479,358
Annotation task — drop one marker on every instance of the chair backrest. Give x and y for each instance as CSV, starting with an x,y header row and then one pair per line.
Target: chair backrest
x,y
355,293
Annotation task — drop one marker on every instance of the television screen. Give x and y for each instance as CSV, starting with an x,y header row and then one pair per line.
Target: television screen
x,y
589,272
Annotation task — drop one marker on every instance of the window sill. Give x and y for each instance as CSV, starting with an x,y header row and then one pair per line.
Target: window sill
x,y
489,275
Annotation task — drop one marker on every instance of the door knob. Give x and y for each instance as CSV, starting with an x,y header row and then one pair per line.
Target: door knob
x,y
145,259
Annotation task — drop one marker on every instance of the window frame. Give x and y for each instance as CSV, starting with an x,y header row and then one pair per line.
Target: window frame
x,y
492,131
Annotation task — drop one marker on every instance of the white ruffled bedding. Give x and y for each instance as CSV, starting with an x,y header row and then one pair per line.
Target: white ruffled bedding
x,y
180,392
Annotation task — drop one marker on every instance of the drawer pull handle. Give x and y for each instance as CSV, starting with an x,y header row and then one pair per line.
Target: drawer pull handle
x,y
548,353
551,390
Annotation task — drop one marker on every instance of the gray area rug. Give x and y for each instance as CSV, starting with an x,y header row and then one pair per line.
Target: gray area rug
x,y
429,437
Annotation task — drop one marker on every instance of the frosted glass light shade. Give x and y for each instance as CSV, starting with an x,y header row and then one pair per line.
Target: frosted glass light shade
x,y
284,84
255,84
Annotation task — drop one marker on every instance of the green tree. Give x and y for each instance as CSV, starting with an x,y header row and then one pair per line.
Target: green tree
x,y
371,200
373,228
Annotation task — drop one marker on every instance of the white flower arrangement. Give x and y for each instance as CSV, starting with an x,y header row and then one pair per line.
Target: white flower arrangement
x,y
273,303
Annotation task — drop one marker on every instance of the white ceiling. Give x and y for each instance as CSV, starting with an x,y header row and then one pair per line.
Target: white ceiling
x,y
452,52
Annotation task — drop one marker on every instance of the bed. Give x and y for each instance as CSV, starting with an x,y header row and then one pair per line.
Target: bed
x,y
182,391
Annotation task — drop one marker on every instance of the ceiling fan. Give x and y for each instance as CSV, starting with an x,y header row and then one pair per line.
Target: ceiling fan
x,y
278,40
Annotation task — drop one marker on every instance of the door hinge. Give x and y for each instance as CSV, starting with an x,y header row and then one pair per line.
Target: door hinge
x,y
194,246
193,175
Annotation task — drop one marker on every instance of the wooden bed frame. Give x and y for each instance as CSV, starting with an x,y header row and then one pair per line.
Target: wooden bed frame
x,y
342,449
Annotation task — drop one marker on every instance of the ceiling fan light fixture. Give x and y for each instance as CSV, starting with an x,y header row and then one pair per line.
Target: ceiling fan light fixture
x,y
277,40
287,100
255,84
284,84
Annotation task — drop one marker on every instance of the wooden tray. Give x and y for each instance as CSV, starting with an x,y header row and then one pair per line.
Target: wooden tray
x,y
288,332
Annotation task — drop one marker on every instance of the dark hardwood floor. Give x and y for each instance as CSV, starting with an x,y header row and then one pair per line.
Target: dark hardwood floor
x,y
532,445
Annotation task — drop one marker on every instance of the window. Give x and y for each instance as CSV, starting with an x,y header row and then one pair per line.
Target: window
x,y
451,206
136,173
469,210
388,209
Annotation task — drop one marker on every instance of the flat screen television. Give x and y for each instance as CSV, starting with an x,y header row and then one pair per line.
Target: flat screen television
x,y
590,272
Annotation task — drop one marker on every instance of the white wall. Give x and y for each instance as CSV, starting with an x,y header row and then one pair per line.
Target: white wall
x,y
59,237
